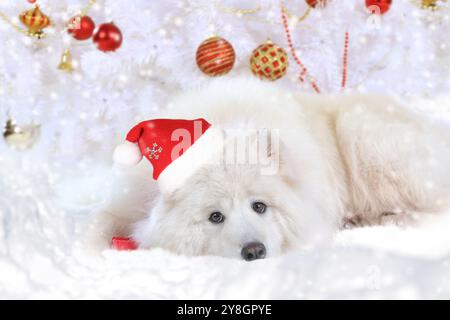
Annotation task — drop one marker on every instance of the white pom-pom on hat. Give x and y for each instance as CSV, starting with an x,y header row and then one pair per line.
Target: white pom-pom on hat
x,y
127,153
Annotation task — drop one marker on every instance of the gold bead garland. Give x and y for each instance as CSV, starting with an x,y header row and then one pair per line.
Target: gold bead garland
x,y
299,19
240,12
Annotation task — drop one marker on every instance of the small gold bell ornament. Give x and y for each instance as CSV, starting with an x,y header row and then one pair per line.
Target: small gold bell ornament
x,y
20,137
35,21
66,62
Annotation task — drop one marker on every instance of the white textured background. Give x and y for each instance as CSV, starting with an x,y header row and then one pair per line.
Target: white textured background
x,y
47,191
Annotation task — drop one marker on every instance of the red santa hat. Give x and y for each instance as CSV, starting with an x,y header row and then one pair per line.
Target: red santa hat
x,y
175,148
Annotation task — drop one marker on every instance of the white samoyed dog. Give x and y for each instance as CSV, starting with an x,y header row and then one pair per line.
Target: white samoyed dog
x,y
335,161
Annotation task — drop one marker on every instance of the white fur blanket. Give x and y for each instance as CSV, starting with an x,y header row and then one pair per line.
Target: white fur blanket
x,y
39,258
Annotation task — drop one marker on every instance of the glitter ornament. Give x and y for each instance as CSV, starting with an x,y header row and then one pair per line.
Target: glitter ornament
x,y
215,56
81,27
269,61
18,137
378,6
35,21
108,37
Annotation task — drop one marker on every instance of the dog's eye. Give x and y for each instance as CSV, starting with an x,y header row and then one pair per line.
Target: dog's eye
x,y
216,217
259,207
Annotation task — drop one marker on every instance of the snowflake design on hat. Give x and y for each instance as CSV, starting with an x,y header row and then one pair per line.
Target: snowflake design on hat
x,y
154,152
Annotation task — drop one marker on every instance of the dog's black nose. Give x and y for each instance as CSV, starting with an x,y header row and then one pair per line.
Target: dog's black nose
x,y
253,251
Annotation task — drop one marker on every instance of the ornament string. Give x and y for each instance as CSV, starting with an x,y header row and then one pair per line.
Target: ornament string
x,y
304,74
232,10
299,19
12,24
345,61
84,11
240,12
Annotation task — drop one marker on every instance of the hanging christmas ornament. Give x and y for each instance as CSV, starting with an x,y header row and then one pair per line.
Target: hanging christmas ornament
x,y
269,61
81,27
215,56
31,1
108,37
378,6
66,62
35,21
430,4
316,3
20,138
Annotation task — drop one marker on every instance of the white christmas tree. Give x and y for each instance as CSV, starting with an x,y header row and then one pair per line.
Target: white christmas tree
x,y
76,118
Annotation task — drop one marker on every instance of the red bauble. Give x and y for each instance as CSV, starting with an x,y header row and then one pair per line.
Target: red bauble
x,y
31,1
215,56
314,3
378,6
108,37
81,27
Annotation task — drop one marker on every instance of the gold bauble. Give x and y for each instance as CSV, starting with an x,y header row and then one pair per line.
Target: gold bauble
x,y
20,137
269,61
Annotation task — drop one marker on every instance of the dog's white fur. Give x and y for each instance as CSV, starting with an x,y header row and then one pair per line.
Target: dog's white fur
x,y
358,159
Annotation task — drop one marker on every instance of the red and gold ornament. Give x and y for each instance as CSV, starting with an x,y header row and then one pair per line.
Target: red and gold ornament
x,y
81,27
108,37
35,21
318,3
378,6
215,56
269,61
